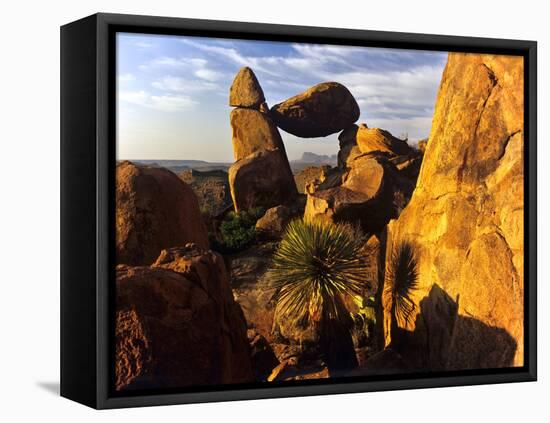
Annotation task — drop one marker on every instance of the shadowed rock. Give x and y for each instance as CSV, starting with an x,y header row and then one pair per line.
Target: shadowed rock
x,y
177,324
371,193
273,223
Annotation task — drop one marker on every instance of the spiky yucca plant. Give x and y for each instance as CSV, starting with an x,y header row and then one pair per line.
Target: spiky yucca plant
x,y
401,282
315,265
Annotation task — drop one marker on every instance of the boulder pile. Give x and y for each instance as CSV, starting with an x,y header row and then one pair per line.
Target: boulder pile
x,y
261,175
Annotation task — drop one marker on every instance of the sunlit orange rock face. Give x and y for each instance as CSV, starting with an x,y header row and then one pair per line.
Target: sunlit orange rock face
x,y
465,222
177,324
154,210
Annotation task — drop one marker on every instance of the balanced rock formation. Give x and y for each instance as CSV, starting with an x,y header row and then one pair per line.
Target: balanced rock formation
x,y
261,175
319,111
246,90
465,223
177,324
154,210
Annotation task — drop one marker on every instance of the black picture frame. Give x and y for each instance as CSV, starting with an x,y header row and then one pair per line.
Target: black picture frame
x,y
87,206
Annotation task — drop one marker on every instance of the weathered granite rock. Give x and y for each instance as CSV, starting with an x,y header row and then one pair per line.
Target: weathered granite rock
x,y
319,111
465,220
154,210
211,188
262,179
178,325
253,131
261,175
246,90
273,223
309,175
380,140
370,193
422,144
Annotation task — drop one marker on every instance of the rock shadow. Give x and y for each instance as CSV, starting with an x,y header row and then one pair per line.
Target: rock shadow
x,y
445,340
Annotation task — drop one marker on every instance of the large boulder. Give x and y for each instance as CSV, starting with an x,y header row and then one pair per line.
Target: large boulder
x,y
376,139
177,324
262,179
154,210
465,222
254,131
371,193
246,90
319,111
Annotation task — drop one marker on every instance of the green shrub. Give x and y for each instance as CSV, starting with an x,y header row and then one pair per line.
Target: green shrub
x,y
238,229
315,265
400,283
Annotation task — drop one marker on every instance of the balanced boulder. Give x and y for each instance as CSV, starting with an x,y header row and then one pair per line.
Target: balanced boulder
x,y
319,111
154,210
177,324
246,90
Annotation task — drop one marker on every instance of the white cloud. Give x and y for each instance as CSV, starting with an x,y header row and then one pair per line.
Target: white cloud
x,y
143,44
126,77
209,75
176,84
174,62
165,103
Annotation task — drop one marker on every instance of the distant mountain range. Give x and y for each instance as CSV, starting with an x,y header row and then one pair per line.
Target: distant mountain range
x,y
322,159
178,166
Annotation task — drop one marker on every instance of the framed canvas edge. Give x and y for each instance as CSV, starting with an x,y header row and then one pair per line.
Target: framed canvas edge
x,y
105,132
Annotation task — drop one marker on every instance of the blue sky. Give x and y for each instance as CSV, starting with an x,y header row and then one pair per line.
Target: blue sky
x,y
172,91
